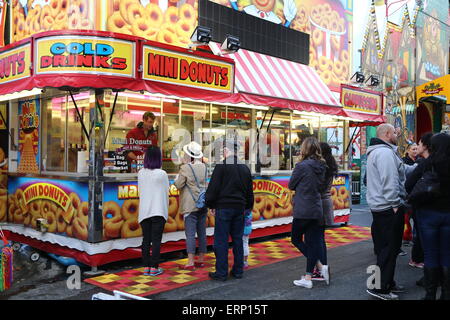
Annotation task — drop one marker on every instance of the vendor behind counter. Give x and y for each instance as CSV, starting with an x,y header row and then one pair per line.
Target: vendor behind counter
x,y
139,139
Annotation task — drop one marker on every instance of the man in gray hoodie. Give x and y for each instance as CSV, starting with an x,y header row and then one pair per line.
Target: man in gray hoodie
x,y
386,194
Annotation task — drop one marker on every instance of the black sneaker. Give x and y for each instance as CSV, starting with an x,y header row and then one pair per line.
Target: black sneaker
x,y
214,276
382,296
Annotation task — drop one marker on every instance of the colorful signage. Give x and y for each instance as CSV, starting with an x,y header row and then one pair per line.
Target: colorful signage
x,y
359,100
63,205
269,187
85,54
28,158
187,70
438,87
46,191
432,89
15,64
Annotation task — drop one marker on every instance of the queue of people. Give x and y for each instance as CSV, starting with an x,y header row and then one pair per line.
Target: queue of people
x,y
396,185
229,197
391,189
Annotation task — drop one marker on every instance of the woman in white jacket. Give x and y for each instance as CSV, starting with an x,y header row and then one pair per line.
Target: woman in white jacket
x,y
153,208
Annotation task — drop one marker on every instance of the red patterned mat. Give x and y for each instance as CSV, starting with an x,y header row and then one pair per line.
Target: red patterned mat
x,y
261,254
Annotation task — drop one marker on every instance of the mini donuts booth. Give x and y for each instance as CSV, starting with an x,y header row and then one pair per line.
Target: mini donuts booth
x,y
68,98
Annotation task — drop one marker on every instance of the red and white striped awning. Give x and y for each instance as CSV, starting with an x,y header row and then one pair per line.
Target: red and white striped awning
x,y
264,75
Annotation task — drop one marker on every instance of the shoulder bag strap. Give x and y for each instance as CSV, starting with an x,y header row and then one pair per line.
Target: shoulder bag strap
x,y
195,177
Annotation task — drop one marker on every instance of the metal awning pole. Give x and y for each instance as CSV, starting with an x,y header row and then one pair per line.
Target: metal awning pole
x,y
79,116
258,161
111,116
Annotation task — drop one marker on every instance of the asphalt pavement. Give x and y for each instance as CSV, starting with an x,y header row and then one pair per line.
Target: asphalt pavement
x,y
47,280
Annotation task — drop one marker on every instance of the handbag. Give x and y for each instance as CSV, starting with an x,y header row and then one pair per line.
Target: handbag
x,y
200,203
426,189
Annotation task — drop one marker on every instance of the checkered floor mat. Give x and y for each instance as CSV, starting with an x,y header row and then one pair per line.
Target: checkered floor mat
x,y
261,254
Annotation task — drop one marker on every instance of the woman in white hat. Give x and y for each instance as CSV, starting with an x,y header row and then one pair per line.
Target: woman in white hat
x,y
191,182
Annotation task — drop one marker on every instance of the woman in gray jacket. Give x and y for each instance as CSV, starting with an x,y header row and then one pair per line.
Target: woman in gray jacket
x,y
308,180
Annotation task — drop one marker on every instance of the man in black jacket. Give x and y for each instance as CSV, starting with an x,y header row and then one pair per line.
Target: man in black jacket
x,y
229,194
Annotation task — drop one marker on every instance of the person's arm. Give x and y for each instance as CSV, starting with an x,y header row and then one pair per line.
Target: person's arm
x,y
297,175
414,176
214,186
181,179
250,195
388,172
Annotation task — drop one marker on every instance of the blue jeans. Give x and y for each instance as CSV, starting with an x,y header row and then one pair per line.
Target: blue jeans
x,y
434,228
195,222
229,222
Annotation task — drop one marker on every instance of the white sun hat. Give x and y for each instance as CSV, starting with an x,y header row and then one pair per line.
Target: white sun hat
x,y
193,150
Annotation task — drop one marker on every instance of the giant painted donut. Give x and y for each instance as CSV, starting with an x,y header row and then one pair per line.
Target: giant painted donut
x,y
260,202
131,229
135,11
171,225
184,29
111,211
124,7
51,221
142,28
155,15
35,208
173,206
171,15
187,12
20,201
317,37
180,221
256,215
113,228
60,222
80,230
3,206
130,209
83,212
324,63
269,209
75,200
116,23
55,7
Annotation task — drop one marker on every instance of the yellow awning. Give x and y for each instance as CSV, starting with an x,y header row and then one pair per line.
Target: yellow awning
x,y
437,87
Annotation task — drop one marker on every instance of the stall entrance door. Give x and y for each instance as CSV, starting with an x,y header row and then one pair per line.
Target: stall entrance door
x,y
424,121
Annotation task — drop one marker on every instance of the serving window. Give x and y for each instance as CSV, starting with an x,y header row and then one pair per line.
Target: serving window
x,y
123,149
64,144
332,132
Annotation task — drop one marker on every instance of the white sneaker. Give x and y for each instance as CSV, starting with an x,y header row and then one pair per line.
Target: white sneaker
x,y
325,272
303,283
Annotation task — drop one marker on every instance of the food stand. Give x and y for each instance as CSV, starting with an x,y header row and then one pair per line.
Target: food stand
x,y
71,96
